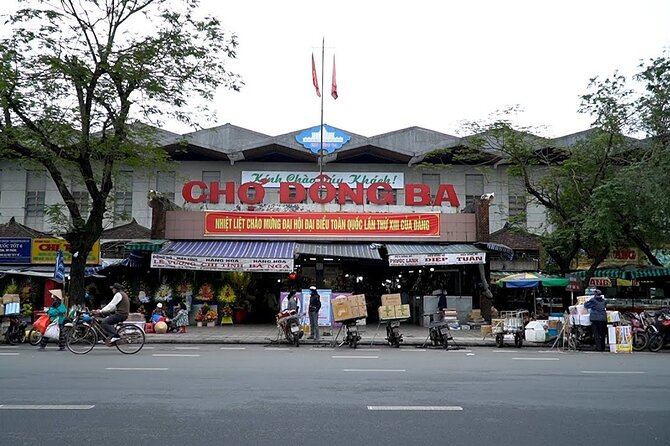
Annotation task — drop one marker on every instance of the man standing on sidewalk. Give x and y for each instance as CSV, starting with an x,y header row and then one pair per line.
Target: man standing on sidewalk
x,y
314,307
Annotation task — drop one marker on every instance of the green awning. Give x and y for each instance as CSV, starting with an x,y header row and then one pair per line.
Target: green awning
x,y
628,273
152,246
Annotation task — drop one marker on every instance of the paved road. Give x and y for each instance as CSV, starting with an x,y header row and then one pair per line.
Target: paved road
x,y
254,395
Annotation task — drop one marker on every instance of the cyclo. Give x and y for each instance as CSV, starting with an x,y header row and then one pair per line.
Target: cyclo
x,y
84,332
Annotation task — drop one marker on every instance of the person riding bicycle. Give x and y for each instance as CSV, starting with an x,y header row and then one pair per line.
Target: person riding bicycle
x,y
117,311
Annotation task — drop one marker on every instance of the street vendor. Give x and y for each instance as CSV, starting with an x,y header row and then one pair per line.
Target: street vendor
x,y
598,315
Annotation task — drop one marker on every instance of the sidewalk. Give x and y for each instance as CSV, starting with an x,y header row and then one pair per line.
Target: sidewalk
x,y
268,334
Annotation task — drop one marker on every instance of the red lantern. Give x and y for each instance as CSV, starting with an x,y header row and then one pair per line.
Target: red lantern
x,y
292,275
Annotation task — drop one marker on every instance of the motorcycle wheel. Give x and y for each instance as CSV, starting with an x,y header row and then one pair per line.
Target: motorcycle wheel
x,y
34,337
499,340
296,340
640,341
518,341
656,342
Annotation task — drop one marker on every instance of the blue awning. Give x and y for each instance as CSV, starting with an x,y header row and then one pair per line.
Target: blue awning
x,y
236,249
429,248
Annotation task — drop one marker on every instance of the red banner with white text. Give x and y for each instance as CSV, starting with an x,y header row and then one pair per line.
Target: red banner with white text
x,y
332,224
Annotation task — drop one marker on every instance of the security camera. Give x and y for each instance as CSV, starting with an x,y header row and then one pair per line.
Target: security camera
x,y
488,196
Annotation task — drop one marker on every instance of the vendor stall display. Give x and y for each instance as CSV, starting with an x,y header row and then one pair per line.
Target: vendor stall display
x,y
509,326
392,313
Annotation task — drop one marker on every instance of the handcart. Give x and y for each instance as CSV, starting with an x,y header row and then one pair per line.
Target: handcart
x,y
509,323
351,334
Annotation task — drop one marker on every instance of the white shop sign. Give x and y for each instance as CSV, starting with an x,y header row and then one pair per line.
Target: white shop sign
x,y
437,259
395,179
221,263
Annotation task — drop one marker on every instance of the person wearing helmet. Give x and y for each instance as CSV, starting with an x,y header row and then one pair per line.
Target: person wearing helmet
x,y
598,315
56,313
115,311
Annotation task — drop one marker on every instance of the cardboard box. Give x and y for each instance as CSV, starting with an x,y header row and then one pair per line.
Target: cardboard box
x,y
391,299
358,299
342,310
402,311
613,316
359,311
386,312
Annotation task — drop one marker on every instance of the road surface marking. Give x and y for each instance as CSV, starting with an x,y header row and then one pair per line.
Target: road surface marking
x,y
281,349
503,351
187,348
174,354
469,354
429,408
355,357
233,348
45,407
136,368
413,350
372,349
537,359
147,347
9,346
9,354
611,372
374,370
323,349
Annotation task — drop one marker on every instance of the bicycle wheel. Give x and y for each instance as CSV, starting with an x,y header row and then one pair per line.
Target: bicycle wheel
x,y
132,339
34,337
81,339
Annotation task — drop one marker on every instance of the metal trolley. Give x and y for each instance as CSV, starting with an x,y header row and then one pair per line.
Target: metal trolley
x,y
509,323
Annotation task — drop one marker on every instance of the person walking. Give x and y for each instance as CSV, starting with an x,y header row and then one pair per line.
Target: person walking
x,y
57,313
598,311
314,307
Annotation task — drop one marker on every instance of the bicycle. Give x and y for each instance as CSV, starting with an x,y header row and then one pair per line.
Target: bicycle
x,y
85,331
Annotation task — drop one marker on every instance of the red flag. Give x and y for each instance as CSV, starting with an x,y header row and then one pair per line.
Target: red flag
x,y
315,80
333,88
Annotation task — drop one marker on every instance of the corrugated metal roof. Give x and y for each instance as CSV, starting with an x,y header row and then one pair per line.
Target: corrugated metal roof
x,y
231,249
427,248
352,250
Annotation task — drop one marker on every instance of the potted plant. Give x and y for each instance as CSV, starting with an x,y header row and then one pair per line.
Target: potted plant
x,y
227,318
201,315
205,293
210,317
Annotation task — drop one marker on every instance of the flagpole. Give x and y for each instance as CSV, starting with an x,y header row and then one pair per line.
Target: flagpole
x,y
323,58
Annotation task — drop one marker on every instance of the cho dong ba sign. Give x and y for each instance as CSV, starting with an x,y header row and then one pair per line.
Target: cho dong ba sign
x,y
321,192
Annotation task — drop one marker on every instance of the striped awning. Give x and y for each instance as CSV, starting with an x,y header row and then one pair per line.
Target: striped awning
x,y
231,248
628,273
350,250
149,245
505,250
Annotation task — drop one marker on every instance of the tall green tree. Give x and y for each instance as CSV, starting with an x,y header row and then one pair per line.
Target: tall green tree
x,y
76,77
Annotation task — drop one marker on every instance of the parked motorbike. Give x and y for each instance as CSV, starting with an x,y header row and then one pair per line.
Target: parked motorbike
x,y
393,335
438,332
639,330
660,330
352,336
16,331
580,336
289,322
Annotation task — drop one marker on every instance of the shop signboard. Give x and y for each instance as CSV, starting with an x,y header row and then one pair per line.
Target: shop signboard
x,y
437,259
273,179
600,282
44,251
221,263
15,250
331,224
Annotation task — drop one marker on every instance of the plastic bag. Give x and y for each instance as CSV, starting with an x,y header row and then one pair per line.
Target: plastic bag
x,y
52,331
41,323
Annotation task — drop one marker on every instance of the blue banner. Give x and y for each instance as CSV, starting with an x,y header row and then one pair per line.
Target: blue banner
x,y
15,250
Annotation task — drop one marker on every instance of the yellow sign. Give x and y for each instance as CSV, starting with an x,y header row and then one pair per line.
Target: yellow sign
x,y
44,251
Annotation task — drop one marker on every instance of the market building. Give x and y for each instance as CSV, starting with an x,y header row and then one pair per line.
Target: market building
x,y
365,216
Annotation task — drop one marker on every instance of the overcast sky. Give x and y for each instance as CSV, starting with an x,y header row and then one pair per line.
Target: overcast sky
x,y
428,63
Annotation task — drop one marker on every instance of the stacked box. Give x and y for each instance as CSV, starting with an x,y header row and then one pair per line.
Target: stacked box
x,y
620,339
349,307
386,312
391,299
485,330
402,311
